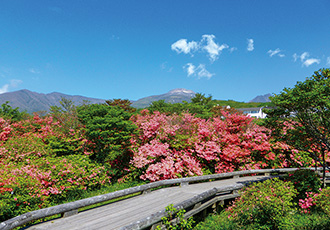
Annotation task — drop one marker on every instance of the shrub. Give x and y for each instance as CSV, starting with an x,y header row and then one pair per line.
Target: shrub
x,y
297,221
108,130
304,181
172,146
33,177
217,222
313,221
175,219
323,201
264,204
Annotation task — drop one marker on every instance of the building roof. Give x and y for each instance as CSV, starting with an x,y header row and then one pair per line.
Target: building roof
x,y
250,109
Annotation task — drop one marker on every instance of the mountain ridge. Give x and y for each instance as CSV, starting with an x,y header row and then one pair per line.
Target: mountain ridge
x,y
261,98
30,102
173,96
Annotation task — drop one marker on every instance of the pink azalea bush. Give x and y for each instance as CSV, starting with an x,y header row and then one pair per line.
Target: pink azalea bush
x,y
172,146
5,129
307,203
316,201
33,175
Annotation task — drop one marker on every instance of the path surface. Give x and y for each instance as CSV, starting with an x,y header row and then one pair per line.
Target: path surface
x,y
125,212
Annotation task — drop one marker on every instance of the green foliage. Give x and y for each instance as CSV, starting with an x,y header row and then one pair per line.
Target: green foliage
x,y
296,221
323,201
74,144
301,116
202,106
124,104
313,221
31,177
200,99
269,205
109,131
175,219
7,112
238,104
264,205
217,222
304,181
66,115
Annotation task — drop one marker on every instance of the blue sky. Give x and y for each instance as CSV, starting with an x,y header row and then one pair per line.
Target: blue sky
x,y
230,49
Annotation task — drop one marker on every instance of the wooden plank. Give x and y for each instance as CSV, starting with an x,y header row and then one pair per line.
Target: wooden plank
x,y
128,211
68,207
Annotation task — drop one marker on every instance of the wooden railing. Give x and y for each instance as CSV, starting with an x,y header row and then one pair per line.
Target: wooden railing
x,y
71,208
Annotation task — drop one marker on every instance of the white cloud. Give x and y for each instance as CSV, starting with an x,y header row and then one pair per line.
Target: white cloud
x,y
328,61
212,48
275,52
202,72
13,84
311,61
232,49
206,44
303,56
305,60
182,46
295,57
4,89
250,46
190,69
199,71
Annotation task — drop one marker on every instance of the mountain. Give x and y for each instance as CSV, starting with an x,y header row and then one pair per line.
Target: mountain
x,y
31,102
173,96
261,98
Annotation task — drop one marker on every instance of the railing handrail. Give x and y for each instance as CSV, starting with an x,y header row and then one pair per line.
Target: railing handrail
x,y
75,205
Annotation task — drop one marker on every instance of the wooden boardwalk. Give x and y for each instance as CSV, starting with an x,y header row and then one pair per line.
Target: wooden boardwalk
x,y
125,214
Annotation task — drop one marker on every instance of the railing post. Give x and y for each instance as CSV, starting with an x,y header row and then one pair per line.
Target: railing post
x,y
215,207
184,184
197,205
70,213
146,191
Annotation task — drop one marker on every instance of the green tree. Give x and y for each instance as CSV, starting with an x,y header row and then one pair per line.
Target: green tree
x,y
109,130
124,104
66,114
7,112
67,104
301,116
201,99
201,106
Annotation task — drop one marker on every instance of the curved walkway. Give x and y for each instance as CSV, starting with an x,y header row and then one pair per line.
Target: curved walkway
x,y
128,213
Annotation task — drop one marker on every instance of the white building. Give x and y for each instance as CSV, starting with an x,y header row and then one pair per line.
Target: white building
x,y
253,112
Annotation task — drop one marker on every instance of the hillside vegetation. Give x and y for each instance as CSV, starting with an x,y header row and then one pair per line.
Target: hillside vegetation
x,y
73,150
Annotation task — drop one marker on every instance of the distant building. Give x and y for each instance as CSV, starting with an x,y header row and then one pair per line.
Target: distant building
x,y
253,112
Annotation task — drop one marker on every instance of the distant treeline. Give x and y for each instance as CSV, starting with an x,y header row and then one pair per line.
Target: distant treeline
x,y
202,106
